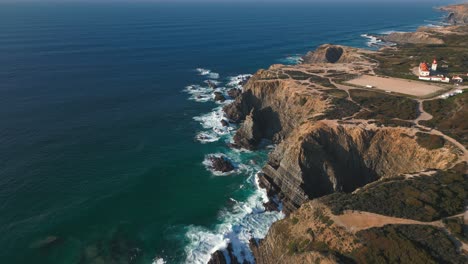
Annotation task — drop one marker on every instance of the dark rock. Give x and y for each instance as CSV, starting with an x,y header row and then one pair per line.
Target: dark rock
x,y
217,258
234,93
248,136
333,54
224,123
219,97
211,84
271,206
221,164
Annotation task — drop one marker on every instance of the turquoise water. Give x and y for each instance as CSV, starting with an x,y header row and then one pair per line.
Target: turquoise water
x,y
98,136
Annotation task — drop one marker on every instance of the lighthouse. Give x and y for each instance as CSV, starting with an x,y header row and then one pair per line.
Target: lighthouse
x,y
434,65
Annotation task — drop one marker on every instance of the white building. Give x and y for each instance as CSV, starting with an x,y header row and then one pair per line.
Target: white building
x,y
434,65
457,79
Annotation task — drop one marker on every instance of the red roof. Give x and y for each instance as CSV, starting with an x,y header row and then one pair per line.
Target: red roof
x,y
423,66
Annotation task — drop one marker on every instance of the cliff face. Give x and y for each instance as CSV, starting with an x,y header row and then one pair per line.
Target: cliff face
x,y
338,141
269,106
325,157
419,37
458,14
332,54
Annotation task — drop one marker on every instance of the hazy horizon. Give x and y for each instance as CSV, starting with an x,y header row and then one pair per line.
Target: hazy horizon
x,y
241,1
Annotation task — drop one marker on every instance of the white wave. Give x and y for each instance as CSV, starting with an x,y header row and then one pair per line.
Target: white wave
x,y
295,59
373,41
237,81
213,75
213,120
159,261
388,32
205,137
207,72
199,93
209,165
246,220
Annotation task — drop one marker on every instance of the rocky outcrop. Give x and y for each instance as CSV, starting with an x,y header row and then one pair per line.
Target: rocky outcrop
x,y
327,144
279,106
458,14
322,158
219,97
419,37
234,93
332,54
248,136
221,164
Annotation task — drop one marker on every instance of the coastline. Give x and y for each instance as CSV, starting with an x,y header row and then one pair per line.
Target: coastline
x,y
273,190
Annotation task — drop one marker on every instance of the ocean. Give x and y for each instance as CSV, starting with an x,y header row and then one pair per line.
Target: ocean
x,y
107,121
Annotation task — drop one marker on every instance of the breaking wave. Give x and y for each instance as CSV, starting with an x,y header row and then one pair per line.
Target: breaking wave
x,y
245,221
245,218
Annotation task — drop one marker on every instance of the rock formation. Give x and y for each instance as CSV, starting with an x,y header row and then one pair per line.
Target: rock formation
x,y
221,164
458,14
359,178
419,37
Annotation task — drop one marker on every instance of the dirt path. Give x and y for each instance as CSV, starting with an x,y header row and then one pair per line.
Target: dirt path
x,y
355,221
423,115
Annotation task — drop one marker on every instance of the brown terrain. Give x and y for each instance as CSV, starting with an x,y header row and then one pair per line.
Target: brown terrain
x,y
363,175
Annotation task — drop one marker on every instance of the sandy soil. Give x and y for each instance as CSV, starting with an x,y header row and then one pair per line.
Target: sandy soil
x,y
396,85
356,221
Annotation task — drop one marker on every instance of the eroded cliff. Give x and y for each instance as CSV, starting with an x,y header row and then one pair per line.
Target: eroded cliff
x,y
351,146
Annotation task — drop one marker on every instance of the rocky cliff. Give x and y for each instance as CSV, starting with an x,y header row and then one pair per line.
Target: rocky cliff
x,y
339,149
458,14
325,157
419,37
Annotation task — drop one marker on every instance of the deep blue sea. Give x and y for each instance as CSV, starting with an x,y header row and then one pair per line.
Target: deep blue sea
x,y
101,112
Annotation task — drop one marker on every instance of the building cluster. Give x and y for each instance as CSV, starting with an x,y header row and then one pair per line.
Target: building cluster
x,y
427,73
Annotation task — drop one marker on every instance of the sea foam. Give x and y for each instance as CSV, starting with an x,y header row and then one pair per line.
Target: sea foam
x,y
246,220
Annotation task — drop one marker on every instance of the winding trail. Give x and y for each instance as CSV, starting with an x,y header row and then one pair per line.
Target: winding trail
x,y
355,221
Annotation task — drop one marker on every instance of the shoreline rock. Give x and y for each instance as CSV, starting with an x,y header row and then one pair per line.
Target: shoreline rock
x,y
221,164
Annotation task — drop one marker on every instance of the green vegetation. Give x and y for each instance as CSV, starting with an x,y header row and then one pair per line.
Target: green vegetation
x,y
398,63
384,106
407,244
298,75
325,82
429,141
337,93
325,219
341,108
423,198
392,123
449,116
457,227
302,101
294,220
